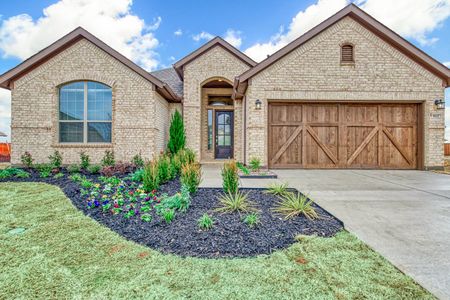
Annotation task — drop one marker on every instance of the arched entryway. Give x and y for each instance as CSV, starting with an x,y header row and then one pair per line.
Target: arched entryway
x,y
218,136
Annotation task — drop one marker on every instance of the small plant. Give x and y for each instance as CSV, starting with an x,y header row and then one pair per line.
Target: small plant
x,y
85,161
27,159
205,222
277,189
252,220
146,218
191,176
86,183
180,201
294,204
177,137
243,168
76,177
73,169
58,175
235,202
55,159
150,177
138,161
168,215
108,159
113,180
186,156
230,177
44,170
22,174
164,168
175,164
94,169
255,164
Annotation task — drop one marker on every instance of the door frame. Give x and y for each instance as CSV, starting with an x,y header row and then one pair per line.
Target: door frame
x,y
420,155
229,111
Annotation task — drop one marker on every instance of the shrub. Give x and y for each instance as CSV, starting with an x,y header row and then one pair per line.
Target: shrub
x,y
150,177
177,138
235,202
44,170
277,189
255,164
230,177
191,176
86,183
10,172
175,164
205,222
85,161
186,156
119,168
94,169
164,168
73,169
137,175
110,180
55,159
252,220
108,159
294,204
243,168
27,159
138,161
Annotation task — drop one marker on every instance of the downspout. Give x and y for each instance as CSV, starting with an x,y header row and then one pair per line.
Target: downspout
x,y
244,99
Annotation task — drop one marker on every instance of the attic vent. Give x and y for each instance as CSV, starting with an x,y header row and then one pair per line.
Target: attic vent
x,y
347,54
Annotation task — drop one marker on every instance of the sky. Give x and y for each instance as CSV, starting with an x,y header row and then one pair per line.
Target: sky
x,y
155,34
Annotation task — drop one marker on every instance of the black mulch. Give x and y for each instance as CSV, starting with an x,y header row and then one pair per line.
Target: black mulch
x,y
229,237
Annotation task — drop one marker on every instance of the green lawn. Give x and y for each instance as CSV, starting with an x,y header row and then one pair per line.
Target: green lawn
x,y
64,254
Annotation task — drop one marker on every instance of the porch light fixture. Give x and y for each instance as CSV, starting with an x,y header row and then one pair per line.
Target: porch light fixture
x,y
258,104
440,104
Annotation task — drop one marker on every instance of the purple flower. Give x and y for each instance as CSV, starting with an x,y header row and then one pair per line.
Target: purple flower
x,y
96,203
136,211
89,203
105,202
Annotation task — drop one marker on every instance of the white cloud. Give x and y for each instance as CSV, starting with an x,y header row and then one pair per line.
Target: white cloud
x,y
414,19
233,37
202,36
447,64
5,112
22,36
178,32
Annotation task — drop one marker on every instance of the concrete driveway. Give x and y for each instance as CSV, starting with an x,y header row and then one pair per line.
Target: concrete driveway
x,y
403,215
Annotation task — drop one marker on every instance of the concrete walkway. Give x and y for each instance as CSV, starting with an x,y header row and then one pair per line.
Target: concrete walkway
x,y
403,215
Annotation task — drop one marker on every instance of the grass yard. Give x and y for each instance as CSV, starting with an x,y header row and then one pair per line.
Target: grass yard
x,y
64,254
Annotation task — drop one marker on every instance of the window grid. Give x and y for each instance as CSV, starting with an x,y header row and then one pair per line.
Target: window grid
x,y
85,120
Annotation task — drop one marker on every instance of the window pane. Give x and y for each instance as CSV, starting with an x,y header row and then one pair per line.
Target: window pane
x,y
227,140
210,128
71,101
99,132
99,102
70,132
221,140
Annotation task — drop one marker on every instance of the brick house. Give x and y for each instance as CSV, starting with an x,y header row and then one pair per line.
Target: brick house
x,y
349,93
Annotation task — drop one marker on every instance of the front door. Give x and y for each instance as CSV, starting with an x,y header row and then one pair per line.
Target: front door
x,y
224,134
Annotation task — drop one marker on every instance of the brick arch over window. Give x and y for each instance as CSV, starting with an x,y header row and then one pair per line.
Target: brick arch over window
x,y
227,83
72,77
347,53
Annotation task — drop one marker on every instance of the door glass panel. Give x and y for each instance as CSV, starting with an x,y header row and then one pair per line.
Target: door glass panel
x,y
227,140
220,141
227,119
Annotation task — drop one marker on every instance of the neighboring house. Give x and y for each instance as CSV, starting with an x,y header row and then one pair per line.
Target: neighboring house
x,y
349,93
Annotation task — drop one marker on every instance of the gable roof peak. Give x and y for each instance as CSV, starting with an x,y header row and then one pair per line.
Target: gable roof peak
x,y
216,41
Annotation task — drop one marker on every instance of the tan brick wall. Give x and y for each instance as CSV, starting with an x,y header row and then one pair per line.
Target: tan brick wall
x,y
217,62
35,107
313,72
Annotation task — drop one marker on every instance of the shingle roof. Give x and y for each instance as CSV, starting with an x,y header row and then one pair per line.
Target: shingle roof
x,y
170,77
2,134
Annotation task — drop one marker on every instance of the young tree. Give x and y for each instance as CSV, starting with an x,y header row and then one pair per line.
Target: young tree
x,y
177,138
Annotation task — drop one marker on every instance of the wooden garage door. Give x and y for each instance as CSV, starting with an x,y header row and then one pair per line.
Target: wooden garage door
x,y
335,135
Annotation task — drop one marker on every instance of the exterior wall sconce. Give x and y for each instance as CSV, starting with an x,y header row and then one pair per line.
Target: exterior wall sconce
x,y
258,104
440,104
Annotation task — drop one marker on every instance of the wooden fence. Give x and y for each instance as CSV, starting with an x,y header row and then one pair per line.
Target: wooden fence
x,y
447,149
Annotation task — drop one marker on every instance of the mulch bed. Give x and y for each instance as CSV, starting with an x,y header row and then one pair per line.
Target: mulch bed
x,y
229,237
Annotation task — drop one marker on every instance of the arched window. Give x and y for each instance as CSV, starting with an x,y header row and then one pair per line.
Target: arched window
x,y
85,112
347,53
